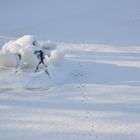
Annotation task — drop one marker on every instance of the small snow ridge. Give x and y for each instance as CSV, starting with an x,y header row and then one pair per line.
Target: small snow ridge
x,y
33,65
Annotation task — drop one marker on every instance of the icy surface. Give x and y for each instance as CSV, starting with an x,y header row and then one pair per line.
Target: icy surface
x,y
93,94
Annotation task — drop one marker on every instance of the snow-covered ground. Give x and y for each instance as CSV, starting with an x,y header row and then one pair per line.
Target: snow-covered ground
x,y
94,94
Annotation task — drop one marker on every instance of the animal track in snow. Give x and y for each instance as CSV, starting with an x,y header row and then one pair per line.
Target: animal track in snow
x,y
84,99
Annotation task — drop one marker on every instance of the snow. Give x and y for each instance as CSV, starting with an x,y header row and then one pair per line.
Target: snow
x,y
56,58
8,59
19,56
93,94
94,65
24,48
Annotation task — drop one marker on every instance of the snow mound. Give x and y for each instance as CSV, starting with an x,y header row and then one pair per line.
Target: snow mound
x,y
49,45
56,58
8,60
20,55
28,60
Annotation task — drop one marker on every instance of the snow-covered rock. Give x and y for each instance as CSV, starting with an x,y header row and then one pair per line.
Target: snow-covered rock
x,y
8,60
49,45
56,57
17,46
28,59
27,40
20,52
23,47
12,47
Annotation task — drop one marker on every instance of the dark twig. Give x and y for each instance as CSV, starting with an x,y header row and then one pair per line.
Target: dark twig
x,y
41,57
